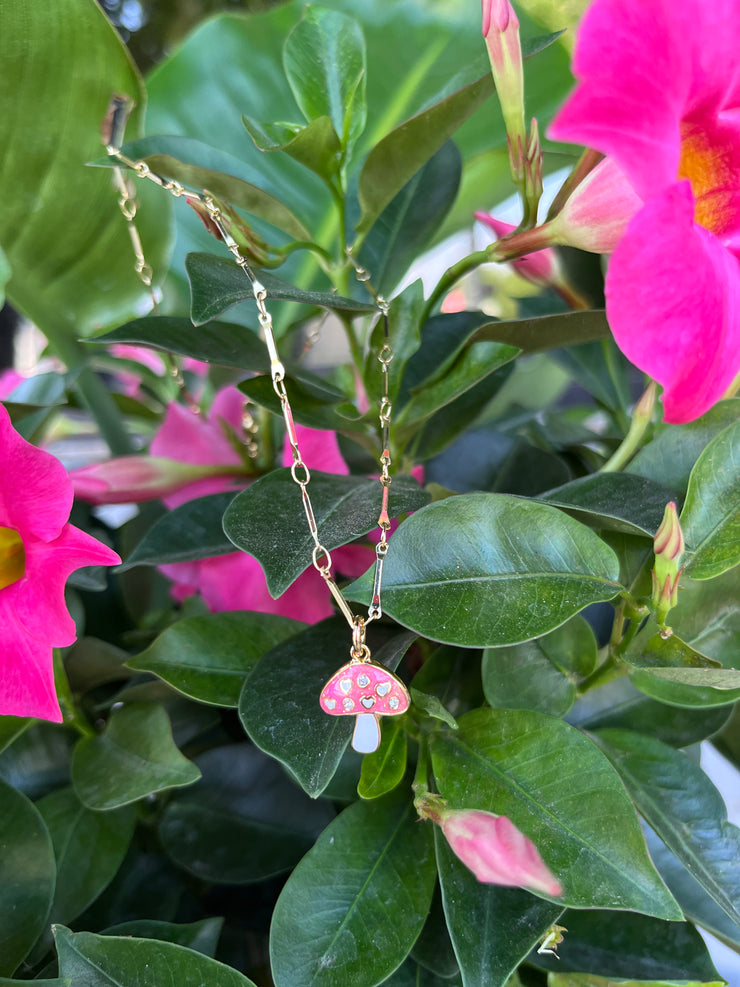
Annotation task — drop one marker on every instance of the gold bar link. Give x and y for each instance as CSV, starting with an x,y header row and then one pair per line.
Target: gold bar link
x,y
338,598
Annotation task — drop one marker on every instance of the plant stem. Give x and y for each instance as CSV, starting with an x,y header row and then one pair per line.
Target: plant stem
x,y
72,716
640,420
451,276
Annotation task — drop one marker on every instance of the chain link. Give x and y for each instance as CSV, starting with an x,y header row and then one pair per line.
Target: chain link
x,y
320,556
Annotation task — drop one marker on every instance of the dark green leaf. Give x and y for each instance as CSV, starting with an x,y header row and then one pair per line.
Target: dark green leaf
x,y
186,533
4,982
634,947
602,369
684,808
88,846
209,658
404,318
324,61
708,616
61,229
409,222
453,675
38,760
492,928
384,768
617,501
279,705
524,677
27,875
314,406
201,936
650,649
316,146
243,821
548,332
710,518
12,727
223,343
433,949
689,686
345,507
135,757
113,961
432,707
670,457
591,980
488,569
555,785
358,930
217,283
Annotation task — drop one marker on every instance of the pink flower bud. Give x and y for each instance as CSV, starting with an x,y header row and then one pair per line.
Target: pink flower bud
x,y
596,214
669,547
501,31
133,479
540,267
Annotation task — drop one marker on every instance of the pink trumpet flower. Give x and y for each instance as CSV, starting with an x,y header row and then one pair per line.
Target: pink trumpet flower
x,y
659,92
38,551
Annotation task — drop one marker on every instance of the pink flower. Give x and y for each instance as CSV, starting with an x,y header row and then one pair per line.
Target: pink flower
x,y
659,92
541,267
134,479
38,551
9,380
501,31
490,846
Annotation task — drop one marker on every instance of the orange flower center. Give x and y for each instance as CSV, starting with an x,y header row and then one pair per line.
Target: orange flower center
x,y
12,557
708,163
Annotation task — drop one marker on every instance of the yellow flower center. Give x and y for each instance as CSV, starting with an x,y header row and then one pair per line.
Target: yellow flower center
x,y
12,557
707,162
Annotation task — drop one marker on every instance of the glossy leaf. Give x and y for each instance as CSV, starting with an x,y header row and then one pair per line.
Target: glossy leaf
x,y
345,508
589,980
89,847
617,501
384,768
671,455
27,877
432,707
563,794
12,727
61,230
689,686
113,961
630,947
684,808
38,760
57,982
244,821
315,405
209,658
453,675
547,332
433,949
492,928
710,518
217,283
201,936
192,531
488,569
224,343
522,676
708,616
324,61
279,705
135,757
329,933
409,222
316,145
650,649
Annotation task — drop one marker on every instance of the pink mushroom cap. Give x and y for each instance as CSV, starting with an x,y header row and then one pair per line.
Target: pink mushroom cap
x,y
364,687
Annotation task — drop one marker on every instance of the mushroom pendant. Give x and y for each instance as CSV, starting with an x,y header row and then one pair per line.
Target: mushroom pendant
x,y
368,691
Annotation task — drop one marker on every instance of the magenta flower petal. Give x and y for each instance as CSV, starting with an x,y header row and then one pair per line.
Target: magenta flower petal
x,y
35,491
673,299
319,449
26,670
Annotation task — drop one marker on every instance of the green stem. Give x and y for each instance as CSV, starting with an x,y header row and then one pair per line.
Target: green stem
x,y
72,717
354,344
93,394
420,785
451,276
641,417
610,669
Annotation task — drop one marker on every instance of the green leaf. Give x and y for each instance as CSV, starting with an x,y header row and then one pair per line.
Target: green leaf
x,y
135,757
689,686
324,61
89,847
314,403
524,677
432,707
4,275
558,788
616,501
710,518
408,223
112,961
453,675
244,821
357,930
192,531
488,569
602,369
632,947
433,949
384,768
708,615
404,318
209,658
201,936
217,283
548,332
398,156
649,649
27,876
223,343
684,808
57,982
589,980
12,727
279,705
671,455
61,228
315,146
492,928
345,508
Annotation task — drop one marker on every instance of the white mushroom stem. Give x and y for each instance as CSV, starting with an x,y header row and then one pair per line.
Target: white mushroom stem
x,y
366,737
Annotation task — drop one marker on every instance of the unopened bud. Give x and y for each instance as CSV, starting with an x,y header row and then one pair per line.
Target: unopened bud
x,y
134,479
669,548
501,31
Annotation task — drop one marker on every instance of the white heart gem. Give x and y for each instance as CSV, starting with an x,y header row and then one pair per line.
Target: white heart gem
x,y
345,685
393,702
348,704
383,688
368,701
330,703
